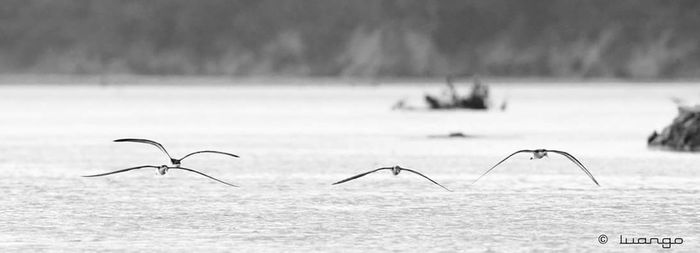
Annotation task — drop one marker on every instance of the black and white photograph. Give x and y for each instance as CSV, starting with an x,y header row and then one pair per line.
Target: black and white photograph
x,y
349,126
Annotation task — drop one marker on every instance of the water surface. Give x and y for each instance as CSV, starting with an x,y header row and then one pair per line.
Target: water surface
x,y
295,140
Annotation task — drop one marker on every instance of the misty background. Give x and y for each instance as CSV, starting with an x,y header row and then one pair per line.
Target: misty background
x,y
359,38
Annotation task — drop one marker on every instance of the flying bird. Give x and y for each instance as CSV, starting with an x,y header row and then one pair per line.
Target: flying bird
x,y
395,170
175,162
539,154
161,170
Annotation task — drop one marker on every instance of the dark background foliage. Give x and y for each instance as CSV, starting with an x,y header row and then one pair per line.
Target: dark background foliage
x,y
357,38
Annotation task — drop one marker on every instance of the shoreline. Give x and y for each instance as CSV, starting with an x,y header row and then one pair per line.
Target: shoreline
x,y
109,80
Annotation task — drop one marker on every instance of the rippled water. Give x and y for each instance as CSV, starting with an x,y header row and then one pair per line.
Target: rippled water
x,y
295,140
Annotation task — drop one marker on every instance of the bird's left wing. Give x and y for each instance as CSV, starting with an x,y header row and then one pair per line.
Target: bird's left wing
x,y
577,162
209,151
191,170
416,172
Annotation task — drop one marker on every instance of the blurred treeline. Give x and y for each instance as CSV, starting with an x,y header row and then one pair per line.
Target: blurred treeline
x,y
362,38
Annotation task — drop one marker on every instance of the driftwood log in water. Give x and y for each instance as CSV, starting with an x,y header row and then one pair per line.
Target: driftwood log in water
x,y
476,99
683,134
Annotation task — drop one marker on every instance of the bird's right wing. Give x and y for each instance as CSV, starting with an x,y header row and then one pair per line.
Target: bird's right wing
x,y
504,159
120,171
360,175
158,145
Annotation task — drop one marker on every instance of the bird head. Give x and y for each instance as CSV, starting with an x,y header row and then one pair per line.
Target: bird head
x,y
539,153
395,170
163,169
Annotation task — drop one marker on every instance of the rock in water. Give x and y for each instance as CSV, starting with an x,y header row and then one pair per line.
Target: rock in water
x,y
683,134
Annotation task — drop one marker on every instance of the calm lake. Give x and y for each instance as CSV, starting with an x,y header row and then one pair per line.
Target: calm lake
x,y
295,140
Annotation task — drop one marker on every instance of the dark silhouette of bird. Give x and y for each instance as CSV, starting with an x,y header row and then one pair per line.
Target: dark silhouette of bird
x,y
539,154
394,170
161,170
175,162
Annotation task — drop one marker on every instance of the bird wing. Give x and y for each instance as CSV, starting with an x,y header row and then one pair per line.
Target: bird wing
x,y
208,151
504,159
120,171
416,172
158,145
360,175
182,168
577,162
